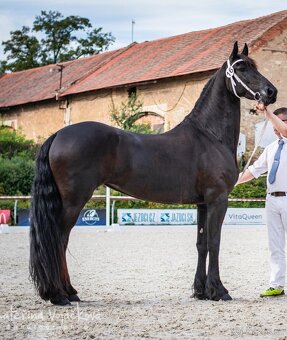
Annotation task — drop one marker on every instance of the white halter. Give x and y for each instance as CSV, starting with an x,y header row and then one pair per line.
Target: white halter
x,y
231,74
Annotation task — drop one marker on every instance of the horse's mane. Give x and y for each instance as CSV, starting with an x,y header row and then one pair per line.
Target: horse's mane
x,y
205,91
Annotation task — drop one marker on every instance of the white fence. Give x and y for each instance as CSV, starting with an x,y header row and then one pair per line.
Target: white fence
x,y
176,216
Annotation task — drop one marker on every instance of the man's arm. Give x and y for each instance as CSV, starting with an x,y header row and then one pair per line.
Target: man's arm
x,y
244,177
277,123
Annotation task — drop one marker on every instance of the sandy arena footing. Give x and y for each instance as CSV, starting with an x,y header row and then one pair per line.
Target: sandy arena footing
x,y
135,282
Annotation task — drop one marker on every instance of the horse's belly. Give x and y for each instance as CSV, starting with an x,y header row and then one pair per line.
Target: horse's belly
x,y
160,189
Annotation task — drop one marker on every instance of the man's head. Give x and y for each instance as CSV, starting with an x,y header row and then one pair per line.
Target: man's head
x,y
282,114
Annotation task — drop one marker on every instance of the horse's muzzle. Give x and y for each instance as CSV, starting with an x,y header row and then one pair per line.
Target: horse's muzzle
x,y
269,95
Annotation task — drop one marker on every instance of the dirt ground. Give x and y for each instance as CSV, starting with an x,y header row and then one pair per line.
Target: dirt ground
x,y
135,282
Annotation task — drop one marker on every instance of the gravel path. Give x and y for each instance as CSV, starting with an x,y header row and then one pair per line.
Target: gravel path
x,y
135,282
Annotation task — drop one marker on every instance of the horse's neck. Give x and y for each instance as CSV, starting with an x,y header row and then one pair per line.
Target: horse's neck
x,y
218,112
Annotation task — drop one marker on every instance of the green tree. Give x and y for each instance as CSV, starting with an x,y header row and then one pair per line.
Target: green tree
x,y
62,39
23,51
3,67
128,114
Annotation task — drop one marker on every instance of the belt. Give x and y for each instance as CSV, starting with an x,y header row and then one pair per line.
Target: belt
x,y
278,193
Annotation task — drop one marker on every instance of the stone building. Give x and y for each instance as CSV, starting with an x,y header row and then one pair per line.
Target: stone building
x,y
167,74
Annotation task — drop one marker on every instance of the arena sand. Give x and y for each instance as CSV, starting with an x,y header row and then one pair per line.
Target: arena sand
x,y
136,283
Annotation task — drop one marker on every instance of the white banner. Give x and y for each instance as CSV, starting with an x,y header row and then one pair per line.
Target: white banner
x,y
234,216
250,216
156,216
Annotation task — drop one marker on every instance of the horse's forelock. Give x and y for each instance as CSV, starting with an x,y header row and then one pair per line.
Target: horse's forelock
x,y
249,61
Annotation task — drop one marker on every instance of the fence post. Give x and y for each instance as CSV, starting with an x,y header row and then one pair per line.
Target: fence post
x,y
113,212
15,212
108,206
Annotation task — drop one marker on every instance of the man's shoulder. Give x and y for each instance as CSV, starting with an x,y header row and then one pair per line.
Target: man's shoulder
x,y
272,144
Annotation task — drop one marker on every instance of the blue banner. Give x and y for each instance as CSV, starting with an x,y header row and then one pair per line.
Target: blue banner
x,y
23,217
87,217
92,217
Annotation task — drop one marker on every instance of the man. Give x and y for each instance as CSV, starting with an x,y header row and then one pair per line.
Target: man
x,y
274,161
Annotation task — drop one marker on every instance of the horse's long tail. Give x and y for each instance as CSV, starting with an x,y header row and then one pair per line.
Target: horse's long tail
x,y
46,245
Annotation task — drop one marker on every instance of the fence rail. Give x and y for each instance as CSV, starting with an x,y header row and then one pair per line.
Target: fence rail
x,y
124,198
108,198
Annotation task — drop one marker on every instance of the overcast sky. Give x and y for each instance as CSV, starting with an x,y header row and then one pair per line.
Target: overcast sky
x,y
153,18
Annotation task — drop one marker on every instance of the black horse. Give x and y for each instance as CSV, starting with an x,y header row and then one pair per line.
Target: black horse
x,y
193,163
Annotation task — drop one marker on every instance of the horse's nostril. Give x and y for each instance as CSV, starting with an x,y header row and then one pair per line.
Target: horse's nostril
x,y
270,92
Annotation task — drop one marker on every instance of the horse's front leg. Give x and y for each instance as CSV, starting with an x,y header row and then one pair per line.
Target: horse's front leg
x,y
214,288
201,245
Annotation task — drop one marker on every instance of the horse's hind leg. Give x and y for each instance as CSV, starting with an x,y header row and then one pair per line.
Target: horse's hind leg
x,y
69,289
69,218
201,244
69,293
75,192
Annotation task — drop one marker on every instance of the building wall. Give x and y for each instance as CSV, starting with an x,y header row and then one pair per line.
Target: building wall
x,y
35,121
172,99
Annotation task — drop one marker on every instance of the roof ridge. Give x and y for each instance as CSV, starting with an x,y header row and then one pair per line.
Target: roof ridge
x,y
217,27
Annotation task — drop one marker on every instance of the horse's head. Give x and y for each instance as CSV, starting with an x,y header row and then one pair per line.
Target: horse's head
x,y
244,80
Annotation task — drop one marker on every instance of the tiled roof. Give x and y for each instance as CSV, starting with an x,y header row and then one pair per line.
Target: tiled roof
x,y
169,57
42,83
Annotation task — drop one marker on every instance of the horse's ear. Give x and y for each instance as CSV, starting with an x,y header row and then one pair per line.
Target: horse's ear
x,y
234,53
245,50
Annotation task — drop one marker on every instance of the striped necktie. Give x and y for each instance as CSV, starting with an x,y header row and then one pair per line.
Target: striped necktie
x,y
272,174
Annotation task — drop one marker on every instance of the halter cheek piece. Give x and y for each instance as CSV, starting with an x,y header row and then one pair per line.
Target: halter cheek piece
x,y
231,75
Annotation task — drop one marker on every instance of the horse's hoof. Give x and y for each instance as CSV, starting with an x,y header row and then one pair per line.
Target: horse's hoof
x,y
226,297
198,296
74,298
60,301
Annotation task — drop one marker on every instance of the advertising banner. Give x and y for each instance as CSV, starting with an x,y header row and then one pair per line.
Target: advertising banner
x,y
4,216
23,217
87,217
250,216
156,216
234,216
92,217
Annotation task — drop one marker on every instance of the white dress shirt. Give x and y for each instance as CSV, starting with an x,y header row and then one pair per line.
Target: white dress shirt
x,y
264,163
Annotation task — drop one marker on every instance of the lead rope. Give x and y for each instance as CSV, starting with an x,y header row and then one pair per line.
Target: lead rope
x,y
255,147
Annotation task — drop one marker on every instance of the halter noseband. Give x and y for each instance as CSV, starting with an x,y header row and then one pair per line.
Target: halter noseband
x,y
231,74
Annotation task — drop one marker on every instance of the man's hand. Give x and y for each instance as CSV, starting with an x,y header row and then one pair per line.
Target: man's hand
x,y
244,177
260,107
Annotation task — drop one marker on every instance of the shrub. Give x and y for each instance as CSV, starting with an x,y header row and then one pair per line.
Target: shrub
x,y
16,163
253,189
13,144
16,175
